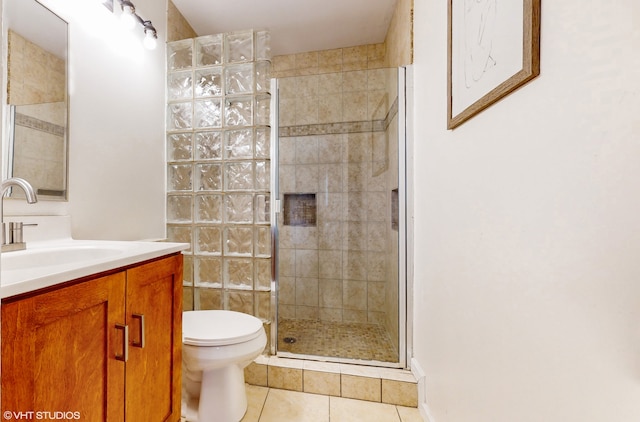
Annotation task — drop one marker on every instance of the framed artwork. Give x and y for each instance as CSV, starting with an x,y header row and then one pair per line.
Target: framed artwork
x,y
493,49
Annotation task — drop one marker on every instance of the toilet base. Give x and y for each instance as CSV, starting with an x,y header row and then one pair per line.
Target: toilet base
x,y
223,397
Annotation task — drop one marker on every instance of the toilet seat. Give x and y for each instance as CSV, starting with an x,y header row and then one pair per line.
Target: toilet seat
x,y
219,328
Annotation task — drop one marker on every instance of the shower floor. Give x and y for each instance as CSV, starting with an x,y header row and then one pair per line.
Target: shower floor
x,y
336,339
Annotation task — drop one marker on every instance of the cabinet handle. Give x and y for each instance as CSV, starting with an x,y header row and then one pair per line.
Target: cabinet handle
x,y
125,342
140,343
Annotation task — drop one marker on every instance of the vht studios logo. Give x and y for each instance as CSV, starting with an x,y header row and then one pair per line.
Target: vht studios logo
x,y
40,415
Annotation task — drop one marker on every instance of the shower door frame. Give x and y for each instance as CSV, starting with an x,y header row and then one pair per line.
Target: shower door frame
x,y
404,240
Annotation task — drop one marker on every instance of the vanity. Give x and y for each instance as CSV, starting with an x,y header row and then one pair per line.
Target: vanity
x,y
93,328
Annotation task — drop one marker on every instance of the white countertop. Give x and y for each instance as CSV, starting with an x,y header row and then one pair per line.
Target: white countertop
x,y
56,259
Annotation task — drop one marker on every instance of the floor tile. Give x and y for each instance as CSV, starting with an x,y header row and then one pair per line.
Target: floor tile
x,y
409,414
350,410
256,396
293,406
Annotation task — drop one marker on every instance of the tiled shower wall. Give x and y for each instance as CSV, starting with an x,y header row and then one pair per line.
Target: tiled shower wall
x,y
219,170
337,139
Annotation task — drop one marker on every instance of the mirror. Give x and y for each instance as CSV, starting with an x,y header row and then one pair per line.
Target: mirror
x,y
36,135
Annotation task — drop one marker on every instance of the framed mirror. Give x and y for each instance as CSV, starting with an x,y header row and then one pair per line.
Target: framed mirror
x,y
35,139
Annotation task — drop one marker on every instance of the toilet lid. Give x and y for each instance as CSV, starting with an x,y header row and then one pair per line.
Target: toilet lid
x,y
218,328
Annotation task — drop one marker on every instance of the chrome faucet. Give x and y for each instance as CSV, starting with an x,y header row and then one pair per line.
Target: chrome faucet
x,y
14,241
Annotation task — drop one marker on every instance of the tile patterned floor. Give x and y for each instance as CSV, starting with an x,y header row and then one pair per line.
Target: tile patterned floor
x,y
273,405
336,339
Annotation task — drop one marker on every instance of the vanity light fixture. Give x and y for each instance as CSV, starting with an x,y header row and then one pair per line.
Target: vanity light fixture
x,y
129,18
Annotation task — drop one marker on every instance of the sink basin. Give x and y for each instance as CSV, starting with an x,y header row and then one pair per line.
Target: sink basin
x,y
49,257
47,263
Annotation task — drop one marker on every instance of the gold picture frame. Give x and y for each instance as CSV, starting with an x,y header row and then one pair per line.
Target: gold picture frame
x,y
493,49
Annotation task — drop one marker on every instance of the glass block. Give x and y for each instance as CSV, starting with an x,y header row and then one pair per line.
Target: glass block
x,y
238,143
208,145
239,301
208,177
262,143
180,116
208,208
263,305
180,234
238,273
208,113
263,178
180,54
187,271
263,76
180,85
179,208
238,208
239,176
208,82
180,177
180,146
209,50
238,79
262,275
208,271
238,241
208,240
262,209
208,298
262,242
263,45
263,110
238,46
238,111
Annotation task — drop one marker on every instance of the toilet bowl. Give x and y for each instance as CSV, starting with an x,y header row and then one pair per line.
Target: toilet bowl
x,y
216,347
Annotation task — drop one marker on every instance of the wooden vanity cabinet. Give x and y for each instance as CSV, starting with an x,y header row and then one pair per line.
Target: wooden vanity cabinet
x,y
63,349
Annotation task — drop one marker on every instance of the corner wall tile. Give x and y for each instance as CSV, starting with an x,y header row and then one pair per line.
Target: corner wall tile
x,y
400,393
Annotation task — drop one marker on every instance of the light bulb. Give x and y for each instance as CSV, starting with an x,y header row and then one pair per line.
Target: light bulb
x,y
150,40
127,17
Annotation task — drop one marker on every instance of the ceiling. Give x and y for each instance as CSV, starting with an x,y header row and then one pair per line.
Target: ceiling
x,y
295,25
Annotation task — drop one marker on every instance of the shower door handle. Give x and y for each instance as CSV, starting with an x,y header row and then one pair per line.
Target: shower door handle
x,y
140,343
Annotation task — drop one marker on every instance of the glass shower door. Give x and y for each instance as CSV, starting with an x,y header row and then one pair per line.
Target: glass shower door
x,y
339,242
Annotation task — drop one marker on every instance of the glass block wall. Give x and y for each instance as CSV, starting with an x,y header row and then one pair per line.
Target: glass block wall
x,y
218,106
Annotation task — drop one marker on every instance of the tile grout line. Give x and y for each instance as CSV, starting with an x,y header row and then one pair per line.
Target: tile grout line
x,y
264,404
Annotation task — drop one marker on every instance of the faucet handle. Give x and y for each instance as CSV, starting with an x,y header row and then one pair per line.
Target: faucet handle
x,y
16,233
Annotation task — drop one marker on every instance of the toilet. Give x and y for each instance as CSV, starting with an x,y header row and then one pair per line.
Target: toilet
x,y
216,347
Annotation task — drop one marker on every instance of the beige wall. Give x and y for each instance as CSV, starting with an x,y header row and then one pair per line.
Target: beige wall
x,y
177,26
399,40
527,228
346,59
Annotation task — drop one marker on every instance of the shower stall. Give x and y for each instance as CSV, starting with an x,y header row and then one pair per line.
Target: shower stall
x,y
290,189
338,166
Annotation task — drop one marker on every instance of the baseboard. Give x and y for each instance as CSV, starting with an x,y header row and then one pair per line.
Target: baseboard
x,y
419,374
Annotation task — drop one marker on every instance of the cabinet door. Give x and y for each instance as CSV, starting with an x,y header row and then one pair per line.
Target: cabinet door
x,y
59,351
154,317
